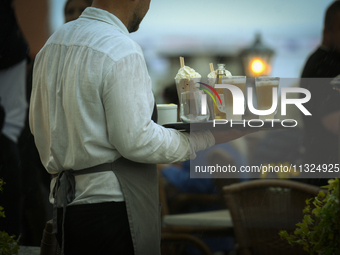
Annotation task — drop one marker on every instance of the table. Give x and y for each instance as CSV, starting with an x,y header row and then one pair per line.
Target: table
x,y
218,218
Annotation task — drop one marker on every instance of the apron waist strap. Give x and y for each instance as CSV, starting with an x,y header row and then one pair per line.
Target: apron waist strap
x,y
64,191
94,169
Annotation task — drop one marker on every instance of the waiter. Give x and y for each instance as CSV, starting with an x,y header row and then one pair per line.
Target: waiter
x,y
90,114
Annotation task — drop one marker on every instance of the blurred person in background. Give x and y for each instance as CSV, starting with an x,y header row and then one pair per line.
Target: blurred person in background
x,y
74,8
13,54
322,128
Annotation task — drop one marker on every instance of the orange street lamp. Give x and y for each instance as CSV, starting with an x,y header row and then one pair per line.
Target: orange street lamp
x,y
257,59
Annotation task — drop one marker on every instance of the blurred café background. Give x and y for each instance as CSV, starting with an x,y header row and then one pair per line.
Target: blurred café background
x,y
214,31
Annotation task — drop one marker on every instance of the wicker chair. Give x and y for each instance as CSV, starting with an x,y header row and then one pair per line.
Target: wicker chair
x,y
261,208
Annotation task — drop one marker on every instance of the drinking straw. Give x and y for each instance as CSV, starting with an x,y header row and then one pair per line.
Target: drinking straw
x,y
211,67
181,60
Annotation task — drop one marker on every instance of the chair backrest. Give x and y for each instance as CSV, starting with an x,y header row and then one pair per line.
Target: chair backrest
x,y
261,208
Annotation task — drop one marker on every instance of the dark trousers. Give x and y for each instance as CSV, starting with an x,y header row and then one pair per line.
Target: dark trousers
x,y
101,228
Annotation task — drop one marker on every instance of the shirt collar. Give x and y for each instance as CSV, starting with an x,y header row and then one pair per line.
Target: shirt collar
x,y
105,16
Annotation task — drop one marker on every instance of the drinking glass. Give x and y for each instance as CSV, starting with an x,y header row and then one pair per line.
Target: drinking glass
x,y
191,103
264,93
240,82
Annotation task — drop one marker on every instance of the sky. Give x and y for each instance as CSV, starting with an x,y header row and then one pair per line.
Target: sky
x,y
185,17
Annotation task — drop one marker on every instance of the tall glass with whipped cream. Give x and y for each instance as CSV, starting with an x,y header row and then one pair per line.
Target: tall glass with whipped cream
x,y
190,97
186,79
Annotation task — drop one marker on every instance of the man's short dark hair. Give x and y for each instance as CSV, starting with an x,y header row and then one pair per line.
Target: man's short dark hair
x,y
331,13
68,2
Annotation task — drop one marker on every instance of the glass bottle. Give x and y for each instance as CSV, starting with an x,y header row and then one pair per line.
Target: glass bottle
x,y
219,110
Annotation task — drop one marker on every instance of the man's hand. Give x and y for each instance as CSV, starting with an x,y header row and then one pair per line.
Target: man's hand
x,y
232,134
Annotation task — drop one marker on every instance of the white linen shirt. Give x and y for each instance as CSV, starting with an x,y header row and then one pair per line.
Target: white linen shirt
x,y
92,103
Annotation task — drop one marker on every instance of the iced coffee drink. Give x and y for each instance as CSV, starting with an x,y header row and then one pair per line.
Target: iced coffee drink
x,y
240,82
264,93
190,97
